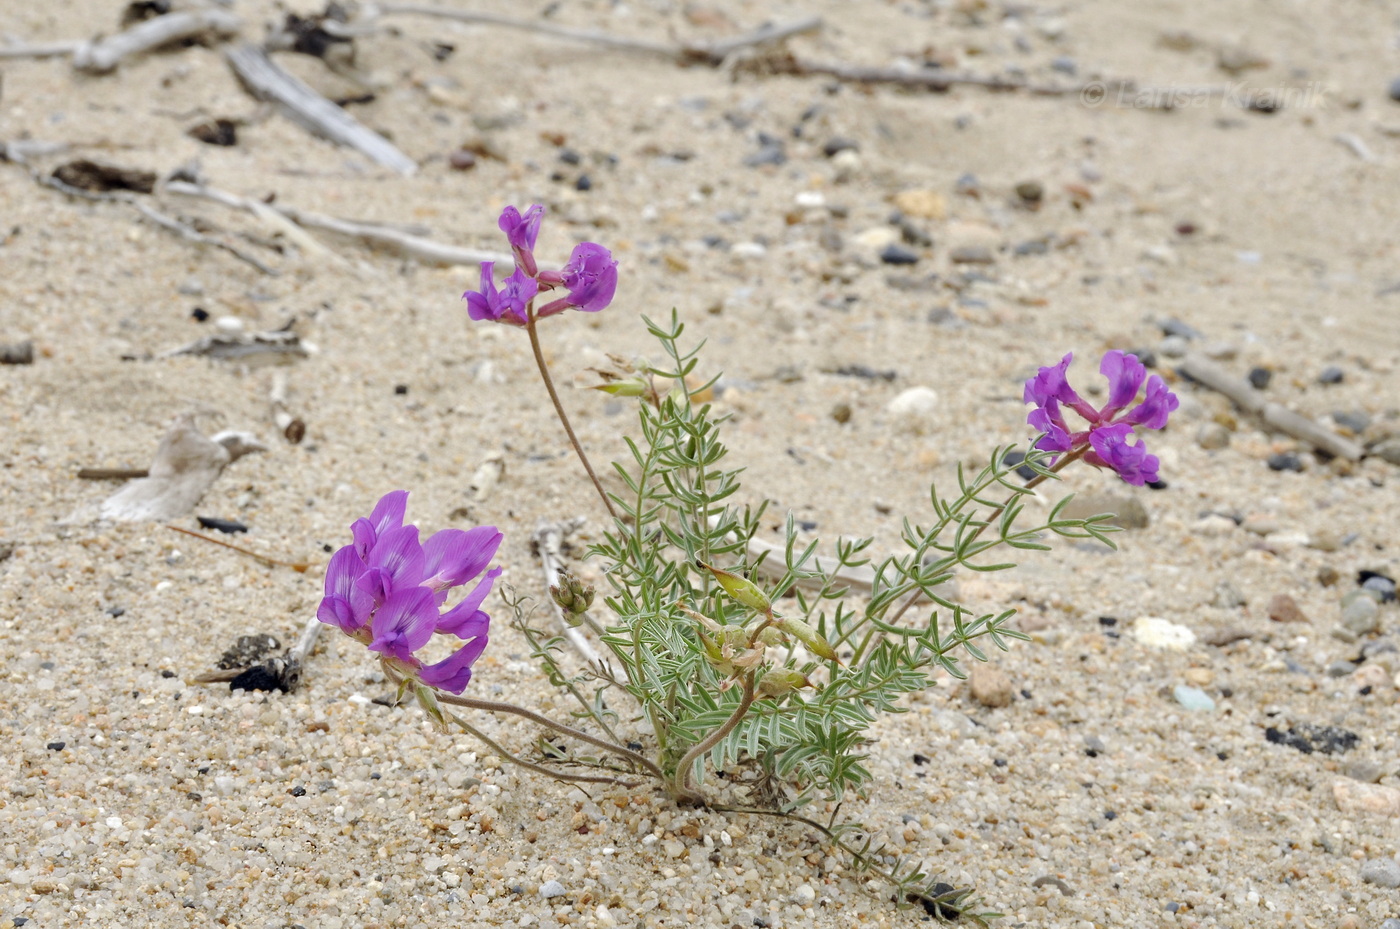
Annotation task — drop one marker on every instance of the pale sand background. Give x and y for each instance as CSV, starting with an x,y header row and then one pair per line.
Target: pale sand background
x,y
169,804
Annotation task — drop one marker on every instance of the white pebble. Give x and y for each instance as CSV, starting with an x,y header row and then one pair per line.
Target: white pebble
x,y
804,895
1155,632
551,889
914,408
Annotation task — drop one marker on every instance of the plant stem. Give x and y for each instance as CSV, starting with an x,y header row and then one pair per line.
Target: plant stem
x,y
698,750
492,706
1039,479
531,326
530,765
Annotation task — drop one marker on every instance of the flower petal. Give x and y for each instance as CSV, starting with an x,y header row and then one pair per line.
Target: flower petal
x,y
1125,375
399,554
591,277
454,672
454,556
1153,411
404,623
466,619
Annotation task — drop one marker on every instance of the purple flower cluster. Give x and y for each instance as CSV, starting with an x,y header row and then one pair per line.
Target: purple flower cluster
x,y
1108,429
386,590
589,280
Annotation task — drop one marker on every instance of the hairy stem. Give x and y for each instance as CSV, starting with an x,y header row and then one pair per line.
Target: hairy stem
x,y
698,750
531,766
531,326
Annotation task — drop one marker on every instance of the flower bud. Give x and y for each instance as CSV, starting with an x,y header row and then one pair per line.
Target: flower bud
x,y
808,636
626,387
741,589
572,595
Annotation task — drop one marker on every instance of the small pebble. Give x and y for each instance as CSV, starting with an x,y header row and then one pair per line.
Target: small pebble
x,y
1212,436
462,160
1173,346
893,254
836,145
972,255
1155,632
1384,872
1340,668
1259,378
1176,327
990,686
804,895
1284,609
914,409
1193,698
1330,375
1030,192
1361,616
1285,461
1327,575
1380,584
1395,90
551,889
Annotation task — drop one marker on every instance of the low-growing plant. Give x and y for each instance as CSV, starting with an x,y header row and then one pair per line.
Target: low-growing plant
x,y
720,653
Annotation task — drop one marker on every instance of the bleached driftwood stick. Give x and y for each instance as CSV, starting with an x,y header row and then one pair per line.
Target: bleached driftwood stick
x,y
47,50
1280,417
293,429
383,236
267,81
267,213
710,53
105,54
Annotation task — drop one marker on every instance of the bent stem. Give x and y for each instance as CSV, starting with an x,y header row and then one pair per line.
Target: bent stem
x,y
530,765
531,327
492,706
683,790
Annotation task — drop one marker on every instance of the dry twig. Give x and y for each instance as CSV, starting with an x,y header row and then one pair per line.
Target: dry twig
x,y
105,54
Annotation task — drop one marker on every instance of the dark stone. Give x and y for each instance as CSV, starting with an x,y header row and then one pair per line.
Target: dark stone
x,y
90,175
570,157
221,525
1146,355
1030,192
1065,65
273,674
1110,815
941,901
1285,461
199,314
584,182
216,132
1108,621
1033,247
400,389
462,160
1395,90
898,255
55,746
836,146
1014,459
920,759
1259,377
309,37
115,611
1331,375
298,791
1157,485
1307,738
167,673
142,10
865,373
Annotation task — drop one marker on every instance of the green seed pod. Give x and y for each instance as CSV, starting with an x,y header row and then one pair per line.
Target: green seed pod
x,y
782,681
808,636
741,589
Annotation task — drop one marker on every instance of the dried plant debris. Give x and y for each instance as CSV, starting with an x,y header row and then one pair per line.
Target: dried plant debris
x,y
186,464
248,651
1307,738
101,178
142,10
20,353
281,346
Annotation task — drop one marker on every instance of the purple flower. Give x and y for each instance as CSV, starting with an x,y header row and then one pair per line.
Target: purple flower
x,y
1110,448
522,232
1106,430
505,305
387,590
590,278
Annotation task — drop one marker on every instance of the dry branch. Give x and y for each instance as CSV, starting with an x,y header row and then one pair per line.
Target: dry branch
x,y
1280,417
267,81
47,50
548,542
708,53
105,54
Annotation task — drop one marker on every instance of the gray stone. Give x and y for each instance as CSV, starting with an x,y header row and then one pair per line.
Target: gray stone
x,y
972,255
1395,90
1391,923
1361,616
1382,871
1228,596
1367,772
1173,346
1340,668
1212,436
551,889
1128,511
1389,450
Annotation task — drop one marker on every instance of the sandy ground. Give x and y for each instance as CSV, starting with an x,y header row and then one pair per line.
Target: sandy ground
x,y
132,797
